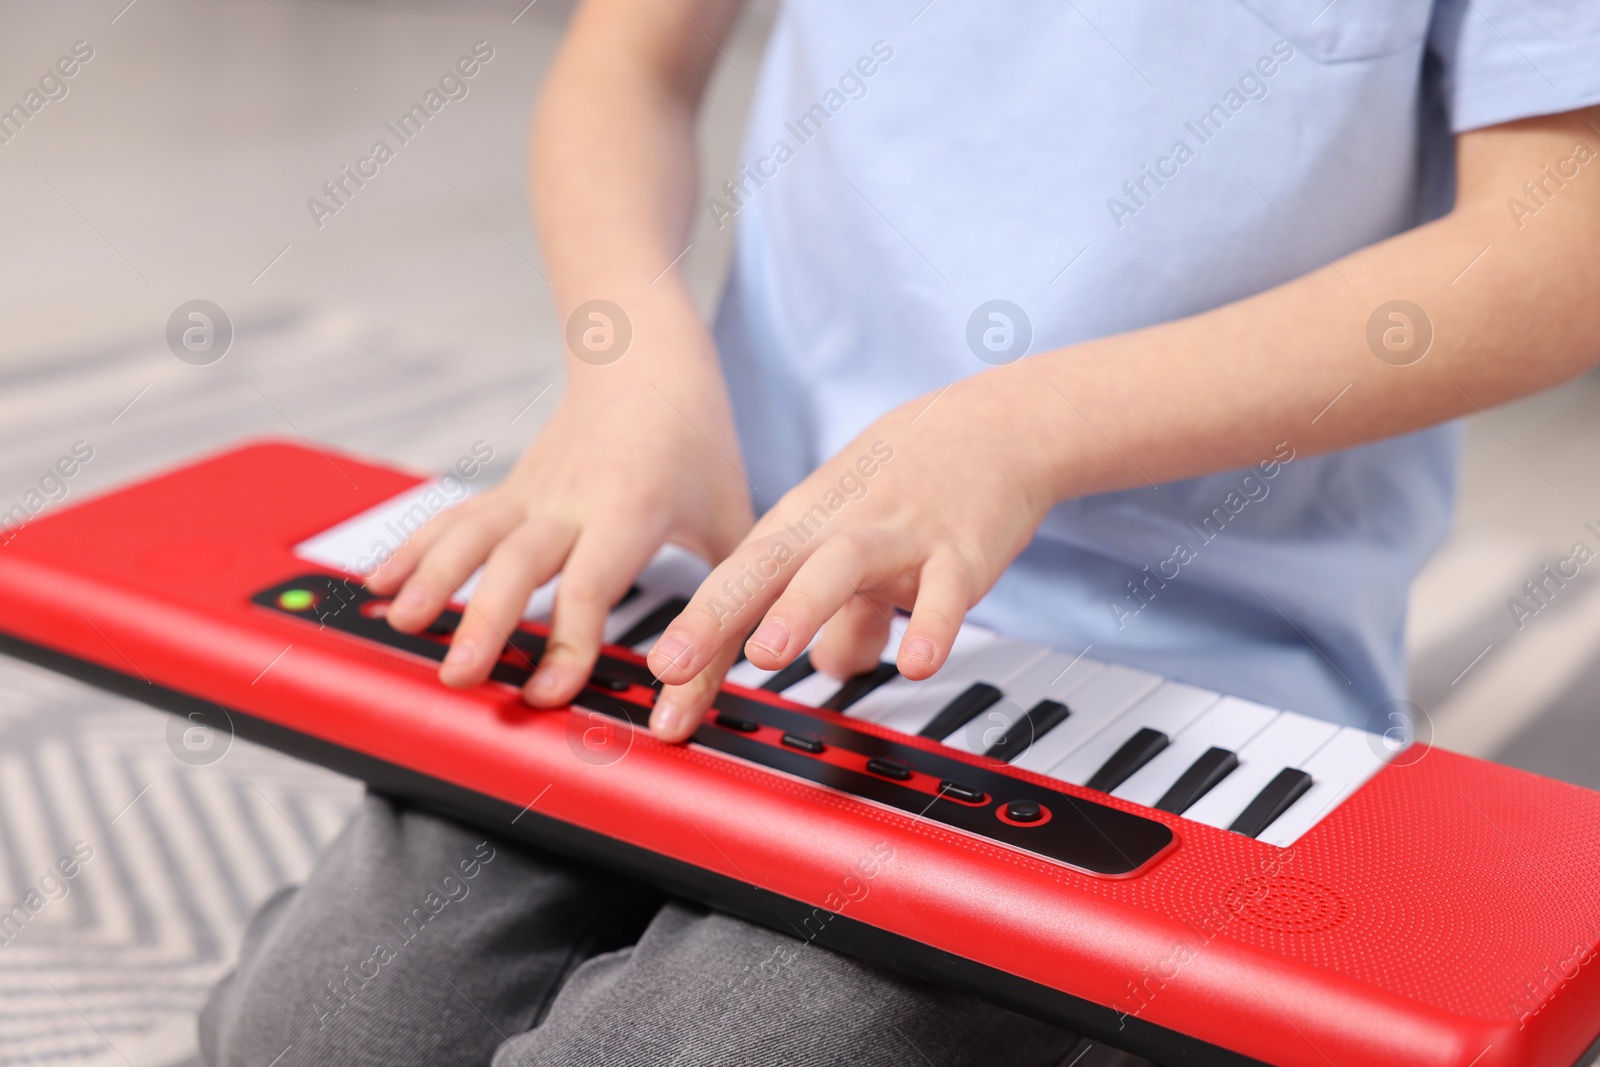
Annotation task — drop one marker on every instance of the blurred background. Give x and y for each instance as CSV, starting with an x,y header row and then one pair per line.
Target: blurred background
x,y
410,323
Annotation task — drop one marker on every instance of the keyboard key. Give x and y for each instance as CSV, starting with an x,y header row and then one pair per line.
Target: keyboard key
x,y
1229,723
1034,723
910,706
816,689
963,709
1169,708
1203,774
859,686
798,671
1135,752
647,629
1337,769
1288,741
1101,697
1289,786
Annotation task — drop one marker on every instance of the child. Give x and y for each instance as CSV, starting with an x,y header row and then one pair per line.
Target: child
x,y
1253,278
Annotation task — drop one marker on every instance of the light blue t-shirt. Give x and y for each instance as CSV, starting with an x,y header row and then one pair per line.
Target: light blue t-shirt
x,y
1104,165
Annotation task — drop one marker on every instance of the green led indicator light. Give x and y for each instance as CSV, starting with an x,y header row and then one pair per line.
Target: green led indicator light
x,y
296,599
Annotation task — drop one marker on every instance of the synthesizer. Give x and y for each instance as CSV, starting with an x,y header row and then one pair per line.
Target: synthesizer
x,y
1183,874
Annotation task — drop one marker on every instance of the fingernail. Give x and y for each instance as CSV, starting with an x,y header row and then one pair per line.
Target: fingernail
x,y
921,647
410,599
675,647
461,652
772,635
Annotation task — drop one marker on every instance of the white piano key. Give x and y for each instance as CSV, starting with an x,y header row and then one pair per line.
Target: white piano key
x,y
748,675
1170,708
1288,741
1337,769
1100,697
994,662
969,639
813,689
626,615
1230,723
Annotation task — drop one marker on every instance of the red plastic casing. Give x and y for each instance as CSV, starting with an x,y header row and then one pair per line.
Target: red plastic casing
x,y
1447,914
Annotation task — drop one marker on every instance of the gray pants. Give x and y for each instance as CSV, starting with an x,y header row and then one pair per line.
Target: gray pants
x,y
421,941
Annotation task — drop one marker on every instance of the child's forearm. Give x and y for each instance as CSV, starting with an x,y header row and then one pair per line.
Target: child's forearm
x,y
613,170
1511,301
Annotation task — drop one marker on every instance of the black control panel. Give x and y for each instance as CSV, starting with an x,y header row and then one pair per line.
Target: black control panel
x,y
983,800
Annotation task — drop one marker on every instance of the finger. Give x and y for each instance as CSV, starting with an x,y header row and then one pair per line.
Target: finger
x,y
726,607
599,570
449,560
826,583
943,596
392,572
523,561
853,640
681,708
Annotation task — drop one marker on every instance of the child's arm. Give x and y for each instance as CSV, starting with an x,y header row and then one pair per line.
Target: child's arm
x,y
1513,309
641,450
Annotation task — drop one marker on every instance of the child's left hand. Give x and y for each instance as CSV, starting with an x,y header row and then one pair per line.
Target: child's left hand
x,y
922,511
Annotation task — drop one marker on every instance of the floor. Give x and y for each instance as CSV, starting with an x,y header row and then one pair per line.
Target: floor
x,y
412,322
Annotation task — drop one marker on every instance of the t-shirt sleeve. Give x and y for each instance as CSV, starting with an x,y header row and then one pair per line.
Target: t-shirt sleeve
x,y
1503,60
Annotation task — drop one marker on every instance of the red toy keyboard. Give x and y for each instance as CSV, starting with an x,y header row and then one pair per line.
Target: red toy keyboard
x,y
1187,876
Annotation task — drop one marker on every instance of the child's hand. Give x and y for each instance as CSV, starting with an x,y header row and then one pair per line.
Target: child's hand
x,y
922,511
635,456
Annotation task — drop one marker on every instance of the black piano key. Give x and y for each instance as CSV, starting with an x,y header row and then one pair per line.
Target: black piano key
x,y
1289,786
1034,724
1201,777
1135,752
974,701
632,592
798,671
858,686
652,624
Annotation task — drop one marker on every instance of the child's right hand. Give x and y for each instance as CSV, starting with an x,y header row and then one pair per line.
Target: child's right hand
x,y
639,453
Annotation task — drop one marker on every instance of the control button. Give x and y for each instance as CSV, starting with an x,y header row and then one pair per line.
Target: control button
x,y
735,722
804,743
957,791
297,600
607,681
889,768
1024,811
